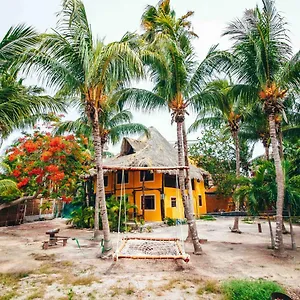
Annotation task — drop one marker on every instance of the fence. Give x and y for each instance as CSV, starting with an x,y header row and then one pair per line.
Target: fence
x,y
31,210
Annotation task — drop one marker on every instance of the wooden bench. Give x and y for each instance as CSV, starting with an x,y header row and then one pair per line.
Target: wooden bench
x,y
54,239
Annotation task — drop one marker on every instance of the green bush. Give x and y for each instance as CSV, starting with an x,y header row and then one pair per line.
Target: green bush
x,y
250,289
83,217
170,221
207,218
113,208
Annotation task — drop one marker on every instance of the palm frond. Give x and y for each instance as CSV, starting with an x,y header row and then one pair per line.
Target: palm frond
x,y
117,132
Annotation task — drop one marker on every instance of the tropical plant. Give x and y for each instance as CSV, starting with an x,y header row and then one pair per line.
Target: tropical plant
x,y
83,217
214,152
43,165
260,190
87,69
113,208
22,107
222,108
15,44
114,123
261,60
8,190
257,192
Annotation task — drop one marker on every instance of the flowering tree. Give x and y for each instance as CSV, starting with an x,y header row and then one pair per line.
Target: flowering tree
x,y
47,166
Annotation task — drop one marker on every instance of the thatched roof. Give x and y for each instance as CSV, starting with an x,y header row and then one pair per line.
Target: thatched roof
x,y
150,151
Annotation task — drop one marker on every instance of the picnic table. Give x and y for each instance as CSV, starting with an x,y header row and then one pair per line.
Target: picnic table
x,y
54,239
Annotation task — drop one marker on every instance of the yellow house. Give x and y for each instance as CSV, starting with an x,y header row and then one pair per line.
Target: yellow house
x,y
155,193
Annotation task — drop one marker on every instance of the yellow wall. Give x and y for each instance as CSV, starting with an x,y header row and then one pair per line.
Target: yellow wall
x,y
153,188
178,211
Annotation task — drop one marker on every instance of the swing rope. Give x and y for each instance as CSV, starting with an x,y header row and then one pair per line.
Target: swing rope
x,y
150,247
119,217
180,206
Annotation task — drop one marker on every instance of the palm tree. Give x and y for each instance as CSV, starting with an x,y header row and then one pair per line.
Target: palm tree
x,y
15,44
218,106
20,106
258,191
255,128
78,65
262,62
176,79
113,124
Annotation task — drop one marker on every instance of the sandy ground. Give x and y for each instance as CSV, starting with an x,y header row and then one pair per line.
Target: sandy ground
x,y
28,272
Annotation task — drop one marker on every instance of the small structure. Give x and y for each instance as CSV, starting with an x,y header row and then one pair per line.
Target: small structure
x,y
31,210
154,191
54,239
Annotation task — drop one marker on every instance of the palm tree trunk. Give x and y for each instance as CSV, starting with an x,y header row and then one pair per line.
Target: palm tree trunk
x,y
235,136
271,231
280,140
279,248
188,177
187,205
294,247
266,147
267,156
100,192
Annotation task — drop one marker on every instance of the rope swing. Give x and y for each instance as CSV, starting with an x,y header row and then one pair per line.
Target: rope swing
x,y
150,247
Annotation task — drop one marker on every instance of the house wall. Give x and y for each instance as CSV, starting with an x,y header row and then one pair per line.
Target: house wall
x,y
178,211
216,202
134,191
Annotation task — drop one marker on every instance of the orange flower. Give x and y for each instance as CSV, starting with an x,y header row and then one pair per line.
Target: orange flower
x,y
39,179
57,177
70,137
36,171
16,173
30,146
46,155
55,142
11,157
52,168
66,199
23,182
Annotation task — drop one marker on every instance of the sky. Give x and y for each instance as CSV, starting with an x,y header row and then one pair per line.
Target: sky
x,y
112,19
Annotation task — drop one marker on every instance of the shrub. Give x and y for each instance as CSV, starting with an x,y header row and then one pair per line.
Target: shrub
x,y
170,221
250,289
82,217
207,218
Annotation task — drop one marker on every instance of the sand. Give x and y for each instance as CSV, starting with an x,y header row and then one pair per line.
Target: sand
x,y
71,272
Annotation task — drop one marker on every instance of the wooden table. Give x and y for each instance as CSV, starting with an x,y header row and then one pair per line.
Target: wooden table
x,y
54,239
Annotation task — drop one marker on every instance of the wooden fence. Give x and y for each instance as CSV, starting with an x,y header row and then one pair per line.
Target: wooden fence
x,y
37,209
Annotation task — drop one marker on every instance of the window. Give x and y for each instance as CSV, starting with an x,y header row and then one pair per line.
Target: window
x,y
119,177
200,200
106,181
149,176
173,201
149,202
170,181
193,184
